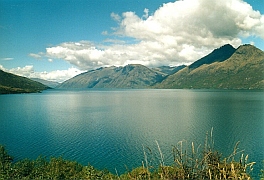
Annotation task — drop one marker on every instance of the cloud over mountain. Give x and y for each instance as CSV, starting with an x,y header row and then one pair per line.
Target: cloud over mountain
x,y
29,72
176,33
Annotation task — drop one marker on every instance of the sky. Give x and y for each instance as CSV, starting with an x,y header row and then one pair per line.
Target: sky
x,y
58,39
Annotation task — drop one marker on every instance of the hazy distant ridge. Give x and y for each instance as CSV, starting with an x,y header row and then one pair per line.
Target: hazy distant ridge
x,y
45,82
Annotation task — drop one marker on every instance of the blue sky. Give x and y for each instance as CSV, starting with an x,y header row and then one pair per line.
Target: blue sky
x,y
57,39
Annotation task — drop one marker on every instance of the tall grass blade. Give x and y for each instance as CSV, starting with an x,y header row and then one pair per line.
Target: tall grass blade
x,y
161,155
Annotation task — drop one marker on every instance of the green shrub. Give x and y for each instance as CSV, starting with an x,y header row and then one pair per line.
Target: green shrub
x,y
262,171
190,162
5,163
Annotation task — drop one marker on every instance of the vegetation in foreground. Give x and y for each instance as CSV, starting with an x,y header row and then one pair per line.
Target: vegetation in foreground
x,y
197,164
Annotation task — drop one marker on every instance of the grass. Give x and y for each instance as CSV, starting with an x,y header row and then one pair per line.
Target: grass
x,y
190,162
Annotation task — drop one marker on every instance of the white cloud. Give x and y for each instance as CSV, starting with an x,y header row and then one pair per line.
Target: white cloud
x,y
146,15
22,71
37,56
2,68
114,41
57,76
82,54
7,59
195,22
104,33
177,32
115,17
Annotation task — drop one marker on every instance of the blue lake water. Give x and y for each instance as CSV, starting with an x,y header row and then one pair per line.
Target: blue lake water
x,y
108,128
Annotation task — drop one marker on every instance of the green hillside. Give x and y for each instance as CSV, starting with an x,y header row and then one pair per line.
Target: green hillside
x,y
243,70
10,83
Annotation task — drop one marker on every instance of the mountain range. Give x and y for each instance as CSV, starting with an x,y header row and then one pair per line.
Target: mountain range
x,y
130,76
223,68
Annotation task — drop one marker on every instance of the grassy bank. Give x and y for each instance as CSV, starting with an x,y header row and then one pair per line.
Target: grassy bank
x,y
190,162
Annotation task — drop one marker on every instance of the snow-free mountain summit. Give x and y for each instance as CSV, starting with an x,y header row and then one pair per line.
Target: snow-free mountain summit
x,y
223,68
130,76
243,70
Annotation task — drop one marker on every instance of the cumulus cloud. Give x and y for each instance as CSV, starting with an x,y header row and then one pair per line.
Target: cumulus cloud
x,y
2,68
22,71
195,22
81,54
178,32
56,76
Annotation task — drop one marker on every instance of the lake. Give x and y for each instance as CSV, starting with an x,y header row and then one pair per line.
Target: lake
x,y
109,128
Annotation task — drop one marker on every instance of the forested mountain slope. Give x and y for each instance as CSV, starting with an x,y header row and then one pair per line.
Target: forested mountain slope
x,y
10,83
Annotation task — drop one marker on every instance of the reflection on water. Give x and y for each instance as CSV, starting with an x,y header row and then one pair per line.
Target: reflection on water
x,y
108,128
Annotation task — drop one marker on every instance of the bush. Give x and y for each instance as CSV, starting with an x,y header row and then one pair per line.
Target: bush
x,y
189,163
262,172
41,168
5,163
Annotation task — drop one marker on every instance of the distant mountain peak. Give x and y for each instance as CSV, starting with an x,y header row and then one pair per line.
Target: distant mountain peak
x,y
226,46
247,53
247,47
217,55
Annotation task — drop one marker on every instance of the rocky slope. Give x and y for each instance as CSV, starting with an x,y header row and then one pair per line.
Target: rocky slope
x,y
130,76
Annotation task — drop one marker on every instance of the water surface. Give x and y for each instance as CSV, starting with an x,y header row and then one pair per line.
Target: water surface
x,y
108,128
